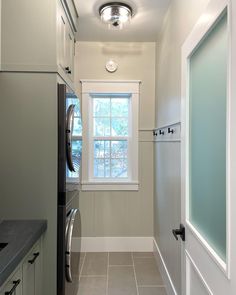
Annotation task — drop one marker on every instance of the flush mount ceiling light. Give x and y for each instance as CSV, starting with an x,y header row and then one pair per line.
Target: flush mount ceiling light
x,y
115,14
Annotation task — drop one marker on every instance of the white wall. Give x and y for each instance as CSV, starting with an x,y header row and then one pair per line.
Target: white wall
x,y
179,21
122,214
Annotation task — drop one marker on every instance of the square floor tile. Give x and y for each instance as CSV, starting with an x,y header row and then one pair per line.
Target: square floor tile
x,y
152,291
147,272
95,264
121,281
120,258
92,286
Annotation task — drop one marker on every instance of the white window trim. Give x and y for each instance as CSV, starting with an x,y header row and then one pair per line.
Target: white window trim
x,y
90,87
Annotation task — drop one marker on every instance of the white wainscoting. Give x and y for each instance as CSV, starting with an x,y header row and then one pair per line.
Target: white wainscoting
x,y
113,244
170,288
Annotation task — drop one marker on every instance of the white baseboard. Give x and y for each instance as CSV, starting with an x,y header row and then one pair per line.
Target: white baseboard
x,y
113,244
163,270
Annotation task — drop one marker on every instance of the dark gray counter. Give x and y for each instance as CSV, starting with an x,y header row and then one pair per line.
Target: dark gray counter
x,y
20,235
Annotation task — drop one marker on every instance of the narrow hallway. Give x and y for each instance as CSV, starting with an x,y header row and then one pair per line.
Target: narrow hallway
x,y
120,273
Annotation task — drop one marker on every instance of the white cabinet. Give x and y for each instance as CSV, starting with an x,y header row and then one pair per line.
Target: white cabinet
x,y
61,40
27,279
70,53
43,42
65,44
13,284
32,272
38,272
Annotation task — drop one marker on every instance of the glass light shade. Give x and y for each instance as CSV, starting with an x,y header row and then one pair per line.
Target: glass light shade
x,y
115,14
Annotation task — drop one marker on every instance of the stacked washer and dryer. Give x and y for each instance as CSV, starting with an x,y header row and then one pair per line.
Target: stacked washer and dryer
x,y
69,222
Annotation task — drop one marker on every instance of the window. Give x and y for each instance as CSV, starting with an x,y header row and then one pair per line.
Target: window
x,y
110,121
110,136
76,140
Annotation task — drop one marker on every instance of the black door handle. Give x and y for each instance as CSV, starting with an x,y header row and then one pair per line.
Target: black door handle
x,y
179,232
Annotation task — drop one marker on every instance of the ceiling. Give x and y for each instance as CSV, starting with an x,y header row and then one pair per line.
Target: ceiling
x,y
144,26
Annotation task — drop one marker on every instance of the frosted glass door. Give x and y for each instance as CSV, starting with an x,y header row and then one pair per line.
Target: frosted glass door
x,y
207,119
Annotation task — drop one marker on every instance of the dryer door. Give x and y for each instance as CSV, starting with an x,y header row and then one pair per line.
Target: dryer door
x,y
73,229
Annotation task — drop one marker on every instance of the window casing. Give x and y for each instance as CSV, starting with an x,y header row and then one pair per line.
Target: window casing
x,y
110,137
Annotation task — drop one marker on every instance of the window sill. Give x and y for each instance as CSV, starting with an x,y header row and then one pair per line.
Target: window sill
x,y
107,186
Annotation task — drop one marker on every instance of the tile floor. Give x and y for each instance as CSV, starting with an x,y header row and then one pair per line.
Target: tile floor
x,y
119,274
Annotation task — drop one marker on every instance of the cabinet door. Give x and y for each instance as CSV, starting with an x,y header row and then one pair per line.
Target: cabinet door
x,y
62,38
70,43
14,284
30,269
66,44
38,270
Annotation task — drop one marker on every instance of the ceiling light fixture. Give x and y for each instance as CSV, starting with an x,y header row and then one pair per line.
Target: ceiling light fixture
x,y
115,14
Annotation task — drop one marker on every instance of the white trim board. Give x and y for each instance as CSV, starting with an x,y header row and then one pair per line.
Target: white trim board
x,y
113,244
163,270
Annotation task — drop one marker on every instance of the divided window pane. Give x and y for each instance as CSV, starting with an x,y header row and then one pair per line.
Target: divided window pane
x,y
111,121
119,107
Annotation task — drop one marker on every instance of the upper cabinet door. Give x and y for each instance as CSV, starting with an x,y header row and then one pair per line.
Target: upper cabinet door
x,y
66,43
61,39
70,53
72,13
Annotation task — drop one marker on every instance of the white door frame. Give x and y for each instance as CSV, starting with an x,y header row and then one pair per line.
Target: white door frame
x,y
223,273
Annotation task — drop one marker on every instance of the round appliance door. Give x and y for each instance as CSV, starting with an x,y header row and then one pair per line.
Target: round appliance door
x,y
73,230
69,132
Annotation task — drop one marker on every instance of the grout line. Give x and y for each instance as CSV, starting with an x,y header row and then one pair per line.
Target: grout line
x,y
93,276
135,277
152,286
123,265
107,272
82,267
150,257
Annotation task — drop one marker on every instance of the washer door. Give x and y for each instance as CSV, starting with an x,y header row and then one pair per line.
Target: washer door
x,y
73,229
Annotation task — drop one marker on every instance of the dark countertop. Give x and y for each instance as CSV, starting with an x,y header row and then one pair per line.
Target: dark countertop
x,y
20,235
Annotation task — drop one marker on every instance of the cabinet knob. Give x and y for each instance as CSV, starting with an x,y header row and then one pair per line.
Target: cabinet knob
x,y
161,132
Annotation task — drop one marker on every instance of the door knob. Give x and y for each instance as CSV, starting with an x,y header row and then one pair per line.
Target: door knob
x,y
179,232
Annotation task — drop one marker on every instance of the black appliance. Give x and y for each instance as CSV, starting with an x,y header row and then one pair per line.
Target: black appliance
x,y
68,223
